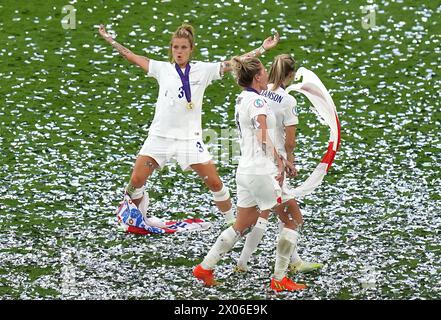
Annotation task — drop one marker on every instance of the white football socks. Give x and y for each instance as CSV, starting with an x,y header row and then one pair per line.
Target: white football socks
x,y
229,216
223,244
287,241
143,206
252,241
295,258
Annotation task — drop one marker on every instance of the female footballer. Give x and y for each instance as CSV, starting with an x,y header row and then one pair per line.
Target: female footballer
x,y
176,129
259,177
283,105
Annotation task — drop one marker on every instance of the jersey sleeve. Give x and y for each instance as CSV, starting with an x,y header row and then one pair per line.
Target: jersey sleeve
x,y
155,68
258,106
290,115
212,71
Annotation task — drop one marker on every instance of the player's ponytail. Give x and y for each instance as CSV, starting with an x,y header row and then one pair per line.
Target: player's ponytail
x,y
283,65
245,69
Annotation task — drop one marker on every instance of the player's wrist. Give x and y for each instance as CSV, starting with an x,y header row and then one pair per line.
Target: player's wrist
x,y
280,162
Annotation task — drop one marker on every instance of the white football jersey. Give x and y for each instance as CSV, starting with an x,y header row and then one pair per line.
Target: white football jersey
x,y
253,160
284,107
172,117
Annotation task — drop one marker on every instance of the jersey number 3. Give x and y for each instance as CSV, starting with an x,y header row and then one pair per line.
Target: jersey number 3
x,y
181,92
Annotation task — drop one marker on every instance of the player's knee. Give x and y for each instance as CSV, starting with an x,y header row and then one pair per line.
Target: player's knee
x,y
265,214
222,195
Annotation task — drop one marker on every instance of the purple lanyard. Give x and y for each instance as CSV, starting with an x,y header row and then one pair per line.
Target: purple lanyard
x,y
185,79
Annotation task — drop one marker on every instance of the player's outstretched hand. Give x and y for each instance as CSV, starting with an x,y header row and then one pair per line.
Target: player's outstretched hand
x,y
271,41
290,169
103,33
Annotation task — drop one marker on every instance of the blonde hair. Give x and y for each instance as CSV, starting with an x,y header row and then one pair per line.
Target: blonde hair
x,y
245,69
185,31
283,65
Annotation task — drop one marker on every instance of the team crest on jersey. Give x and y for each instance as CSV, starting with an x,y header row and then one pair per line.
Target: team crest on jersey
x,y
294,110
259,103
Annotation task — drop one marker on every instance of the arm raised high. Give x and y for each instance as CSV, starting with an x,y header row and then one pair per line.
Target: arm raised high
x,y
140,61
267,44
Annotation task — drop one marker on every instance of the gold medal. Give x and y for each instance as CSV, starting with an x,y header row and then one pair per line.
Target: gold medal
x,y
190,105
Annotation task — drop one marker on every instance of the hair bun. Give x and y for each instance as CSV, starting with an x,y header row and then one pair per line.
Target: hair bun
x,y
186,27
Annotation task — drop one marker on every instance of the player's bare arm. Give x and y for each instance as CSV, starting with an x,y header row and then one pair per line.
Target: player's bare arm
x,y
290,144
267,44
140,61
268,147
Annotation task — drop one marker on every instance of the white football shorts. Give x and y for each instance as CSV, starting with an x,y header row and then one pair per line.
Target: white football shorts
x,y
185,152
257,190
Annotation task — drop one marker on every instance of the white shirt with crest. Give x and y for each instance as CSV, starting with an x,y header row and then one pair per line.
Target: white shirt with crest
x,y
172,117
253,160
284,107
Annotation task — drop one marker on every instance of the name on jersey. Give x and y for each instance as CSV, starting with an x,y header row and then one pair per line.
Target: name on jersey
x,y
272,95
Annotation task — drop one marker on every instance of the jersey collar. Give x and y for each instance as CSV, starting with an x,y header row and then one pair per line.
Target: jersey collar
x,y
252,90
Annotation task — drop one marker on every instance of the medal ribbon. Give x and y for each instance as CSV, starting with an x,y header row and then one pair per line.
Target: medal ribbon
x,y
185,79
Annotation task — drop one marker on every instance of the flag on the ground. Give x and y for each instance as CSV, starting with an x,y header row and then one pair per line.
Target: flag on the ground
x,y
131,220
